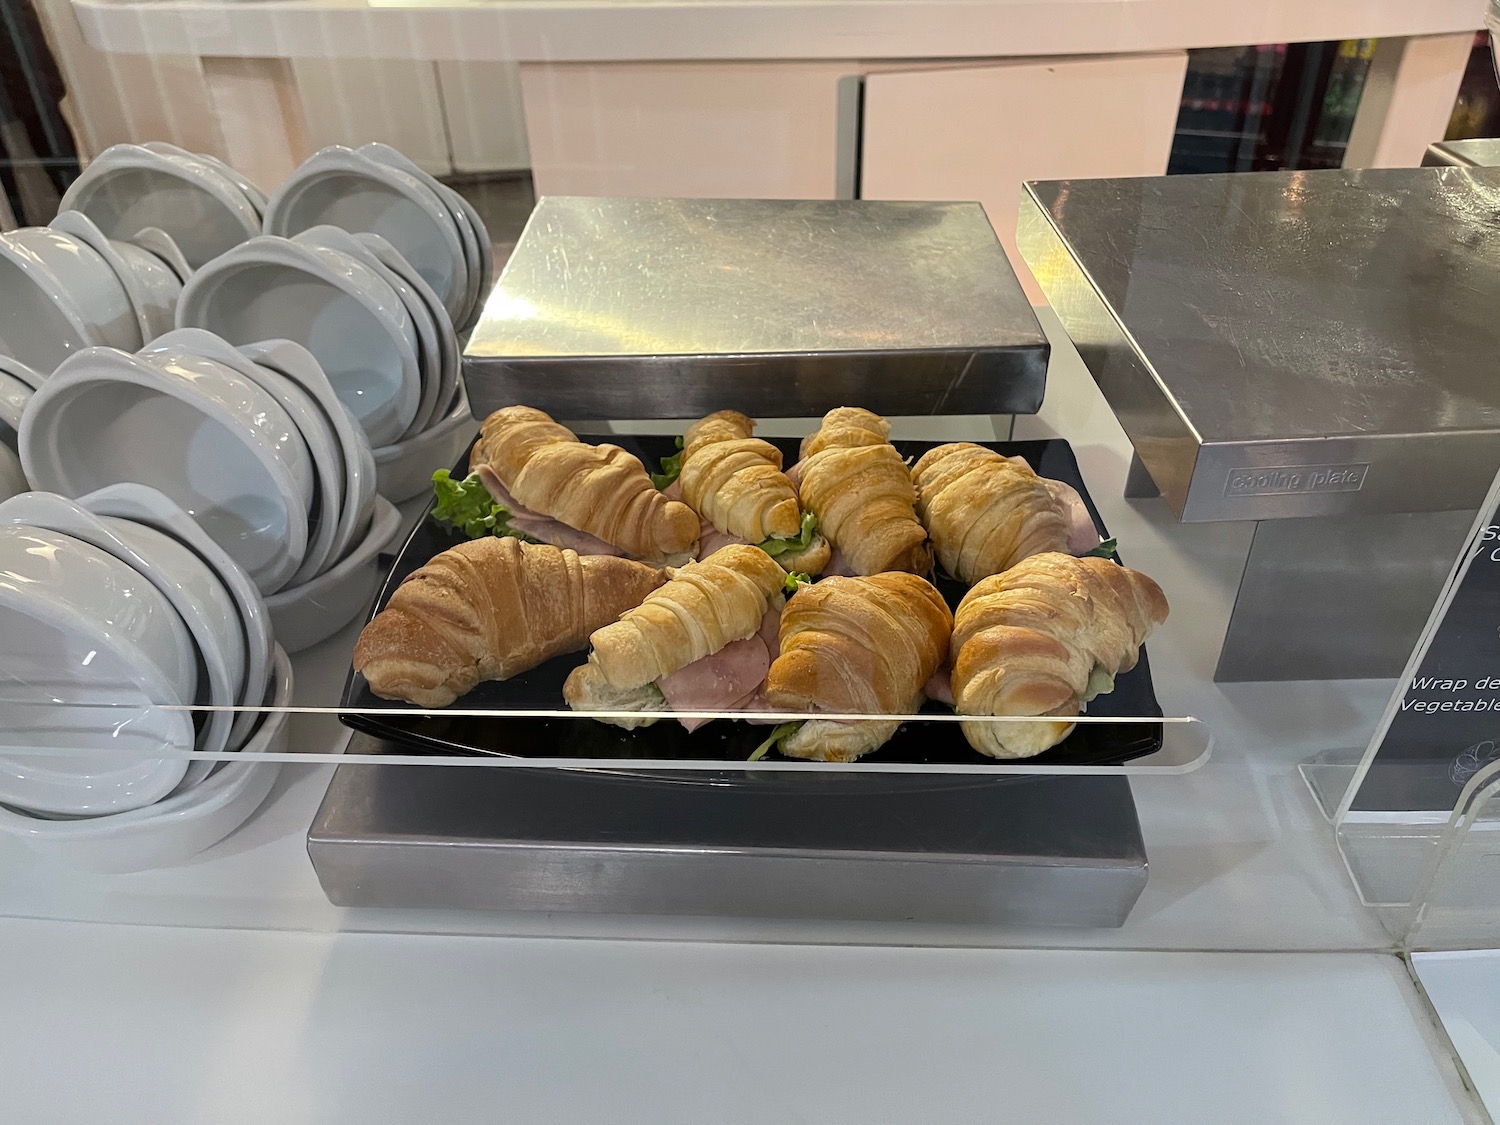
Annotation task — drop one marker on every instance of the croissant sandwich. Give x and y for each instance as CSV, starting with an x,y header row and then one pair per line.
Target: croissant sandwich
x,y
735,482
490,609
1044,638
986,512
694,644
597,499
854,481
856,646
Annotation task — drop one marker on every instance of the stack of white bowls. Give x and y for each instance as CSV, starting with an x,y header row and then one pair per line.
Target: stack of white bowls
x,y
252,442
119,617
17,384
202,203
67,286
375,326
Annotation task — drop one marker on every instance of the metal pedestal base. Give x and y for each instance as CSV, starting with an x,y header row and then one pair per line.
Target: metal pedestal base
x,y
1332,597
1033,851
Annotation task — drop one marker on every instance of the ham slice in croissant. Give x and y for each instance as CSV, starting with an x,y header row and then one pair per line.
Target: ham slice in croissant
x,y
856,646
985,512
599,489
706,607
856,483
491,609
1044,638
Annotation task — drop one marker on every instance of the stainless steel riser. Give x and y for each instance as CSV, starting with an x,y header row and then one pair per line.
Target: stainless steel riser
x,y
1019,851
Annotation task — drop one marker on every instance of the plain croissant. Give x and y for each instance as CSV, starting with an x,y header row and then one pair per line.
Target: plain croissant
x,y
985,512
598,489
856,646
1044,638
491,609
856,483
736,481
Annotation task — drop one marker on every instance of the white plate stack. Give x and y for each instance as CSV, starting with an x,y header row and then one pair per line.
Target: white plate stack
x,y
118,617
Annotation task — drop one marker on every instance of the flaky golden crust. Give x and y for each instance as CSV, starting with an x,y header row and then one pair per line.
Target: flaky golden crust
x,y
491,609
856,646
1037,639
735,480
598,489
858,486
706,605
984,512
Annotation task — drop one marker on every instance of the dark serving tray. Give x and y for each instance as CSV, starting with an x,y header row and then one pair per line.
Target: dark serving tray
x,y
566,737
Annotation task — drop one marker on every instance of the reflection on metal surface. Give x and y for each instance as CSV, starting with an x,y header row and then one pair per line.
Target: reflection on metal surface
x,y
1316,323
1342,597
1020,851
1483,152
669,308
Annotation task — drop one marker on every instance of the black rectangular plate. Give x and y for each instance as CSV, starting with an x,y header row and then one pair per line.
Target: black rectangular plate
x,y
928,743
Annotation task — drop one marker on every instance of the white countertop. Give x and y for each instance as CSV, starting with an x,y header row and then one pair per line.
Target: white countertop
x,y
605,30
229,989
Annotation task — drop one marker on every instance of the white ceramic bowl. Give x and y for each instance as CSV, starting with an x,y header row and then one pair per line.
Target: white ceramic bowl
x,y
178,828
429,348
448,360
187,584
128,187
333,305
305,615
360,478
14,395
57,296
150,284
18,370
395,158
486,257
150,508
12,476
405,469
218,445
317,433
91,658
159,242
256,197
343,188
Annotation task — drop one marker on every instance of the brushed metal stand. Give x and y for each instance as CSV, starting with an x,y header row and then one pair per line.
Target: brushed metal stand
x,y
1032,851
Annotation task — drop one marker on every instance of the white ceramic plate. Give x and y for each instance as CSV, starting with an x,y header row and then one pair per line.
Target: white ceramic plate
x,y
128,187
334,305
151,285
447,343
184,580
234,461
343,188
322,444
79,628
178,828
150,508
361,480
305,615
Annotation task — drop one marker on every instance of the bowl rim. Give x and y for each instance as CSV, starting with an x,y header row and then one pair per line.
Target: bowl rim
x,y
124,157
107,367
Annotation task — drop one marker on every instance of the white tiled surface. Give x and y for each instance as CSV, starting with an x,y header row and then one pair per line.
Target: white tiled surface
x,y
137,1024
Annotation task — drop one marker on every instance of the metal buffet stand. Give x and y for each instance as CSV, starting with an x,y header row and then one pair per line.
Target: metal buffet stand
x,y
620,308
1314,351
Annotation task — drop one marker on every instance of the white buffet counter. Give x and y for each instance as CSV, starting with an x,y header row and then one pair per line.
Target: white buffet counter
x,y
229,989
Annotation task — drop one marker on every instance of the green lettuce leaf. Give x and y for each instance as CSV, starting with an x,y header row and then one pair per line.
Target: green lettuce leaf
x,y
795,582
778,735
778,547
671,469
1105,550
467,506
